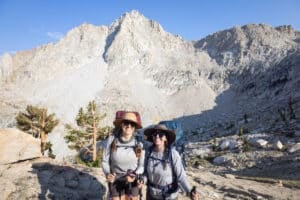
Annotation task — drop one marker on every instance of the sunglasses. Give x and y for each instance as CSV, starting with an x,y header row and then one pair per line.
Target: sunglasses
x,y
159,134
126,123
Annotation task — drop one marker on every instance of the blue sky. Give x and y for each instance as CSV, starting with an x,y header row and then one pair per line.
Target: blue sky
x,y
26,24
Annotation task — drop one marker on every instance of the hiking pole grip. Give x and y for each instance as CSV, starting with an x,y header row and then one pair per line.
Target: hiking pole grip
x,y
193,189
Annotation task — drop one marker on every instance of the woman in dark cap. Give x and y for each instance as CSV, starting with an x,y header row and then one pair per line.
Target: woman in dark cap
x,y
123,158
164,172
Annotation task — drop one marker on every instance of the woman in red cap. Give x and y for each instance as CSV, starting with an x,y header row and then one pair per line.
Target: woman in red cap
x,y
123,158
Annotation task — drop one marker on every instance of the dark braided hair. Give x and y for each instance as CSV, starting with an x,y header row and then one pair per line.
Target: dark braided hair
x,y
166,155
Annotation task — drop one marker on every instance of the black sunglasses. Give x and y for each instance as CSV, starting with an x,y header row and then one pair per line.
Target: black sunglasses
x,y
158,133
126,123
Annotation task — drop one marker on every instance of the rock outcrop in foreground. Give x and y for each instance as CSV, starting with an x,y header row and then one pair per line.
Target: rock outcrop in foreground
x,y
44,178
25,174
48,179
16,146
258,174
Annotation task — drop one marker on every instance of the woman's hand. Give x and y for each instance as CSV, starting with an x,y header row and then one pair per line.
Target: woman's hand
x,y
140,183
130,179
110,178
130,176
194,194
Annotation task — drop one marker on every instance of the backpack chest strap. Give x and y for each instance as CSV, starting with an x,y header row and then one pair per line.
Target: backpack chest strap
x,y
158,159
125,146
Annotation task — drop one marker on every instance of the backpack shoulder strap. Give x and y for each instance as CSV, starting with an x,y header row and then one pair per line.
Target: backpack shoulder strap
x,y
138,146
147,156
110,141
171,160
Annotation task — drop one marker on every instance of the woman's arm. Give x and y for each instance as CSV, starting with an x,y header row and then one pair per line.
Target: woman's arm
x,y
106,155
180,172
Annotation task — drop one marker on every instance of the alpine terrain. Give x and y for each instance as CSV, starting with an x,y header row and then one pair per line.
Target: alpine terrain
x,y
236,92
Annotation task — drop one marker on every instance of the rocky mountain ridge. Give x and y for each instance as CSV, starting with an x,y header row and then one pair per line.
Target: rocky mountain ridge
x,y
252,44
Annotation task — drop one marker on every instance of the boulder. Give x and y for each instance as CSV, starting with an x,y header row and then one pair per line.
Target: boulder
x,y
297,133
202,151
278,145
229,144
261,143
16,146
294,148
45,178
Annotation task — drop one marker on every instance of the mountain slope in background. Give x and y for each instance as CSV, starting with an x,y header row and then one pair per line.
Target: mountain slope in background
x,y
134,64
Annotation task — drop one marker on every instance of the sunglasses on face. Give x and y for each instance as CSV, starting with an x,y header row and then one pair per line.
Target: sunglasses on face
x,y
126,123
159,134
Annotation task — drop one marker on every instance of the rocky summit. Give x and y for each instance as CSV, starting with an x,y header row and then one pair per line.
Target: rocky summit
x,y
236,92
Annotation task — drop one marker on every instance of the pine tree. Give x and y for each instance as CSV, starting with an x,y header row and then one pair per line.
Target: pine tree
x,y
37,122
88,130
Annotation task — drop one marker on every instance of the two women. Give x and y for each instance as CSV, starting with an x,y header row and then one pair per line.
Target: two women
x,y
123,158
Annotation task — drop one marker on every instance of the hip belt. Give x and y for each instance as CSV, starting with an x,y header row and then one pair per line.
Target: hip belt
x,y
170,188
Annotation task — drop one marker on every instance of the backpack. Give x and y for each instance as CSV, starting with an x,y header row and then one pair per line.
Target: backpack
x,y
176,126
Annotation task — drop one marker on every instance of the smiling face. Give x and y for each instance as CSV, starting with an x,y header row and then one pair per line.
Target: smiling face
x,y
128,128
159,139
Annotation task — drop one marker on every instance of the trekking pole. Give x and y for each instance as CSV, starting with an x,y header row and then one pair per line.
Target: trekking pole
x,y
141,180
110,184
110,191
132,175
141,193
130,191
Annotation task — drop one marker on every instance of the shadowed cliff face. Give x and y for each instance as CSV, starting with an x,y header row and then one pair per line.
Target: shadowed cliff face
x,y
134,64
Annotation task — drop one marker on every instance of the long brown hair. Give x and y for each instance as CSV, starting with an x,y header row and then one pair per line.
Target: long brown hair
x,y
117,132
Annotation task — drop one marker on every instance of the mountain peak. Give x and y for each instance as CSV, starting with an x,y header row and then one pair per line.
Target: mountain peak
x,y
288,29
132,14
130,19
242,45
